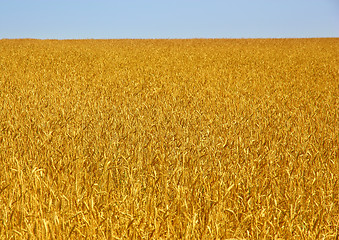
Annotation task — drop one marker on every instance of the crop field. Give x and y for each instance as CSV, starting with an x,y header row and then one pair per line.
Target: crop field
x,y
169,139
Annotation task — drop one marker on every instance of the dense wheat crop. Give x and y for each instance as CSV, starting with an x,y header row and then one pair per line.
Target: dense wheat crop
x,y
178,139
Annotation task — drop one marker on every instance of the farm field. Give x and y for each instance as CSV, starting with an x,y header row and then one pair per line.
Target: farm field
x,y
169,139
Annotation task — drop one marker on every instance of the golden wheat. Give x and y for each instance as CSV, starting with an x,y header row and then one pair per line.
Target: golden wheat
x,y
169,139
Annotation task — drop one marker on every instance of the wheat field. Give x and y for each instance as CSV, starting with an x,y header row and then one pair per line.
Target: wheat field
x,y
169,139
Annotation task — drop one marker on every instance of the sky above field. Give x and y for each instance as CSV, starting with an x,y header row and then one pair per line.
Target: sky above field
x,y
78,19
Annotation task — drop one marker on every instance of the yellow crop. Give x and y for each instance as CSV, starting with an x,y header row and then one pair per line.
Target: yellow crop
x,y
169,139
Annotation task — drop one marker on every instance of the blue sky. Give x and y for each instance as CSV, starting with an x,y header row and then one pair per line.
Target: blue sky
x,y
79,19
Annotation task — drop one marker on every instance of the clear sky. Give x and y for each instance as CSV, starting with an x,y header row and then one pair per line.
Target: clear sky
x,y
78,19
